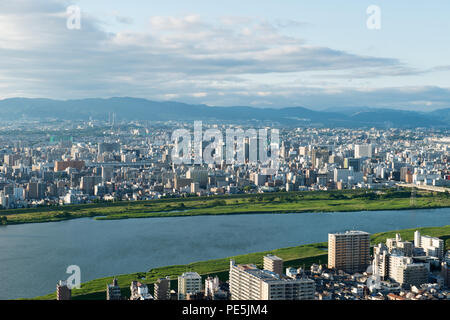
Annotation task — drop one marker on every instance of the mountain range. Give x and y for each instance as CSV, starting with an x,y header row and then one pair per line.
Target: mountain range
x,y
126,108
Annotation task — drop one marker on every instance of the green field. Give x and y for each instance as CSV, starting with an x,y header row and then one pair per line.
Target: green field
x,y
296,257
320,201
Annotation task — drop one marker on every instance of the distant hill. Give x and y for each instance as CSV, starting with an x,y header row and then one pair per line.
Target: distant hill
x,y
141,109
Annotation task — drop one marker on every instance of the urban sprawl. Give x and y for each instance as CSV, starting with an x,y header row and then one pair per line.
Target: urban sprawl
x,y
62,162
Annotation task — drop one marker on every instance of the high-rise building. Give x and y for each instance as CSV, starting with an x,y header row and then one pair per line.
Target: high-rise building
x,y
87,184
274,264
107,173
211,286
162,289
397,244
198,175
354,163
319,156
405,272
380,263
63,165
247,282
108,147
349,251
63,292
189,283
433,247
113,291
363,151
36,190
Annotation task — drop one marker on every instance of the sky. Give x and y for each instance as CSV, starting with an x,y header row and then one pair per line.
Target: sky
x,y
317,54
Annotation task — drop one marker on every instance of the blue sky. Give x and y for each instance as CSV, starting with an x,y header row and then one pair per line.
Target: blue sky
x,y
318,54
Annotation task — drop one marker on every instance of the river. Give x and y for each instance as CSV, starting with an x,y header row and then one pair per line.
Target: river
x,y
33,257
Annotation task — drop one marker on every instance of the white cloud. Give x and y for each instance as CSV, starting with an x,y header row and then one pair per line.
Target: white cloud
x,y
235,60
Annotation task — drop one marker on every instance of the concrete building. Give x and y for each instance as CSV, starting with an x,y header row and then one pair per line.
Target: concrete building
x,y
363,151
445,273
113,291
108,147
162,289
274,264
397,244
63,292
189,283
198,175
380,263
139,291
36,190
433,247
405,272
247,282
349,251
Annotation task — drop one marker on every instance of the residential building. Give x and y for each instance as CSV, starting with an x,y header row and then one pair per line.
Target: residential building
x,y
274,264
189,283
247,282
349,251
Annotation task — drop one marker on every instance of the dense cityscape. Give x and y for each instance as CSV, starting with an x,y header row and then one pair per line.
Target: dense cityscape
x,y
66,163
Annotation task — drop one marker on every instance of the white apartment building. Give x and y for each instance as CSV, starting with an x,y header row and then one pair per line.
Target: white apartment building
x,y
189,283
433,247
211,286
247,282
363,151
380,263
397,244
405,272
349,251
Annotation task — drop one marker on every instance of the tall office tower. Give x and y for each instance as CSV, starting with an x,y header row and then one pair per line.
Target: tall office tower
x,y
189,283
113,291
349,251
198,175
63,292
433,247
363,151
354,163
87,184
36,190
397,244
380,263
405,272
211,286
404,172
274,264
11,159
247,282
162,289
107,174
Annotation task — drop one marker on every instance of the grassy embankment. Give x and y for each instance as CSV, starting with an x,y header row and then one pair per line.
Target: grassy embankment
x,y
331,201
297,256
